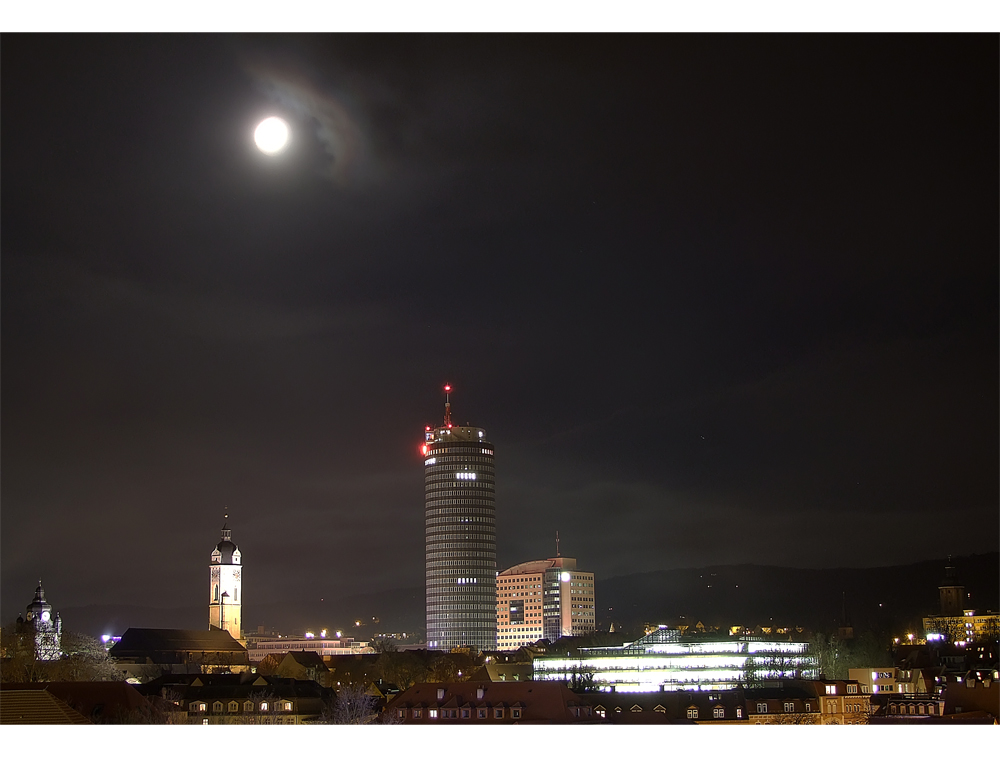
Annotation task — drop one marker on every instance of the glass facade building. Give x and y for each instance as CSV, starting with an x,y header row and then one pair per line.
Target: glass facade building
x,y
666,661
460,538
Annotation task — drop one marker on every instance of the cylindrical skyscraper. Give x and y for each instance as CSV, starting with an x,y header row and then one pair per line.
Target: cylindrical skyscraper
x,y
460,536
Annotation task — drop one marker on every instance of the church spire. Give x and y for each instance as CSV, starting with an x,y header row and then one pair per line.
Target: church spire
x,y
227,534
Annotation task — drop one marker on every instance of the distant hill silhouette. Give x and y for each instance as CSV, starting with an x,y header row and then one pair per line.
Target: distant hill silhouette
x,y
715,595
890,598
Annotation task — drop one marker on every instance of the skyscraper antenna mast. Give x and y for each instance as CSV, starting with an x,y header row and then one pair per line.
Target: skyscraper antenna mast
x,y
447,405
557,544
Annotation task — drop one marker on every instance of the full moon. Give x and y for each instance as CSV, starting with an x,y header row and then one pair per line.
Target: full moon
x,y
271,136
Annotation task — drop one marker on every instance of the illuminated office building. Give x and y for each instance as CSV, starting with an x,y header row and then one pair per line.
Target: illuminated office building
x,y
543,599
665,661
459,536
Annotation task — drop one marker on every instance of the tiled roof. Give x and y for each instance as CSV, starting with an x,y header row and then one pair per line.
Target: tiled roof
x,y
36,707
540,701
668,706
307,659
161,639
99,701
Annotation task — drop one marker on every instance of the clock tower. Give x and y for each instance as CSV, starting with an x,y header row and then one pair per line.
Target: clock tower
x,y
46,625
226,585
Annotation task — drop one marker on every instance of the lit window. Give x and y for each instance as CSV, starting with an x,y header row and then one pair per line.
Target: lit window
x,y
432,713
789,707
692,713
515,712
761,707
202,707
263,706
719,712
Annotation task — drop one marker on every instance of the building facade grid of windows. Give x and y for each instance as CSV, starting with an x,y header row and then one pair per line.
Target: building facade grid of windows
x,y
460,537
663,661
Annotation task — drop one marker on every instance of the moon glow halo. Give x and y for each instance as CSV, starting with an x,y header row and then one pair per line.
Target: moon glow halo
x,y
271,135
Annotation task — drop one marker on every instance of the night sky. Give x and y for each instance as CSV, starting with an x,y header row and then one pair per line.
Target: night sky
x,y
715,299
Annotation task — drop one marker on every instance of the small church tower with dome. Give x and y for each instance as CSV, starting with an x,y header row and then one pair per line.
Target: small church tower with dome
x,y
226,598
45,625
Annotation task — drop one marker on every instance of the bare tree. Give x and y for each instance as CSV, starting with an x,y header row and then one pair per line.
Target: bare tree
x,y
383,644
19,663
84,658
354,705
401,668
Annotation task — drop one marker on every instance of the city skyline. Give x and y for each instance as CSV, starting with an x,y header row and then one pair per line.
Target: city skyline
x,y
717,299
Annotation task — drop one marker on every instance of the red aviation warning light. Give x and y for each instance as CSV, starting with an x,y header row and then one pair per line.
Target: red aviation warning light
x,y
447,405
423,450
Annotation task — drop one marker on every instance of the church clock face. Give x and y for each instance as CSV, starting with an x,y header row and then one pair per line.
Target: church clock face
x,y
45,616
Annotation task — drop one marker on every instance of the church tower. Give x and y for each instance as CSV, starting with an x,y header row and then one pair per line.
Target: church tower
x,y
952,593
226,598
45,625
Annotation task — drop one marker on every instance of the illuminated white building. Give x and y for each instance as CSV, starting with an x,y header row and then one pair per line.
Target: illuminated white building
x,y
226,585
876,680
258,650
543,599
665,661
